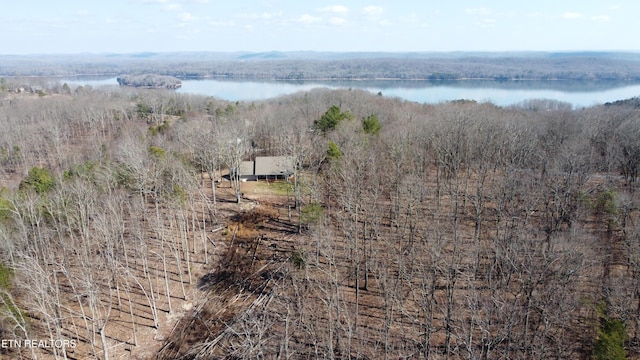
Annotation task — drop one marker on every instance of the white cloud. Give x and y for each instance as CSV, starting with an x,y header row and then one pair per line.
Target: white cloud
x,y
508,14
262,16
601,18
185,16
373,10
222,23
536,15
337,21
484,17
308,19
173,2
572,15
487,22
478,11
338,9
411,19
172,7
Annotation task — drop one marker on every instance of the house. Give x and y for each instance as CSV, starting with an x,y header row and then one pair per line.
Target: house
x,y
267,167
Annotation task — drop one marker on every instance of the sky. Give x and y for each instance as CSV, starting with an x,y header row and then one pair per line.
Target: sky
x,y
131,26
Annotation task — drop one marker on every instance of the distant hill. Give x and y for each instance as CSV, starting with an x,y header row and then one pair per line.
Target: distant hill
x,y
264,55
310,65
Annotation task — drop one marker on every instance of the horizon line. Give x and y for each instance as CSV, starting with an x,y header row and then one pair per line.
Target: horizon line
x,y
150,52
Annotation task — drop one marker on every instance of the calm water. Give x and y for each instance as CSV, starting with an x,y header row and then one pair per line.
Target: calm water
x,y
579,94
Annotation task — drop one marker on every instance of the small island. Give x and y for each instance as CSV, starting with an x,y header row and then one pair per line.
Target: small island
x,y
150,81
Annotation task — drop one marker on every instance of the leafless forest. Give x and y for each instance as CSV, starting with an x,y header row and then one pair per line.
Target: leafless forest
x,y
581,66
450,231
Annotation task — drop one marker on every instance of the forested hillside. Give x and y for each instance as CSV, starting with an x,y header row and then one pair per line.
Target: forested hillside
x,y
447,231
149,81
337,66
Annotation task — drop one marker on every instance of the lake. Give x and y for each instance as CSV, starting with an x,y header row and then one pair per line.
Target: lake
x,y
503,93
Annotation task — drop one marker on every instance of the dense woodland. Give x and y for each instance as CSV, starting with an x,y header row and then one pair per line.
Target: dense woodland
x,y
149,81
458,230
582,66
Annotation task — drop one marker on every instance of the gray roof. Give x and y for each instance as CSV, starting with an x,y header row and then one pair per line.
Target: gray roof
x,y
246,168
273,165
265,166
